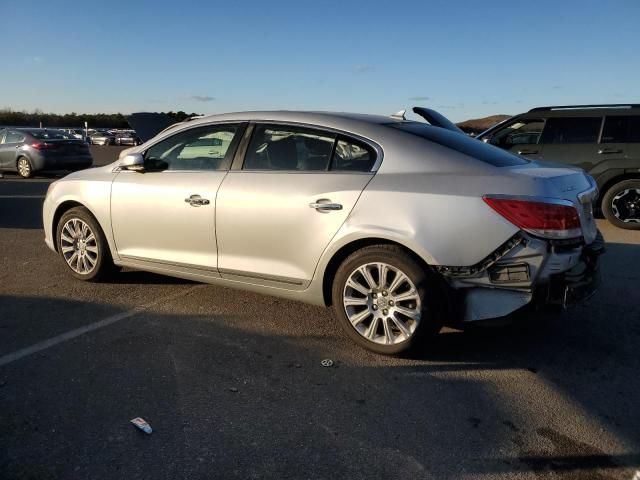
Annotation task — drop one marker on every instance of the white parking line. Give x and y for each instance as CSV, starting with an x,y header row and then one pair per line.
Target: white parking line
x,y
22,196
38,347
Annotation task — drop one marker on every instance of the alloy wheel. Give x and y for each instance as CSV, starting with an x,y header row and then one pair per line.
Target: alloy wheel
x,y
79,246
382,303
626,205
24,167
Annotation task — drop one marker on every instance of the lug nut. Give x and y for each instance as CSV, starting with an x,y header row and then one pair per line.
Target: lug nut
x,y
385,311
391,302
384,293
375,307
375,295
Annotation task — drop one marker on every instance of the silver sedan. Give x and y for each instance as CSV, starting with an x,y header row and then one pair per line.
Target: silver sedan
x,y
400,226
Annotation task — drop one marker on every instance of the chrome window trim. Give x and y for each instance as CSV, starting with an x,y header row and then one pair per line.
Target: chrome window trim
x,y
376,147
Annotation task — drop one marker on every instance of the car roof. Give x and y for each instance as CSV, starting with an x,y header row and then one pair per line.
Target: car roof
x,y
584,110
358,123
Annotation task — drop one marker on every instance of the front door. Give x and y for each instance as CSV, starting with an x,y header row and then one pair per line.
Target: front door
x,y
277,214
521,136
10,141
167,214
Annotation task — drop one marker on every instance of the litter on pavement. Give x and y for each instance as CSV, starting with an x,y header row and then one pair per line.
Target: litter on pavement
x,y
327,362
142,424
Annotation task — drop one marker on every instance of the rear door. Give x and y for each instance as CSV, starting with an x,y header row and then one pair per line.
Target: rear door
x,y
167,214
278,211
573,141
620,140
521,136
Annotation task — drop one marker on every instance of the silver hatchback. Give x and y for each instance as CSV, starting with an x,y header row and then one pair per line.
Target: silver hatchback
x,y
400,226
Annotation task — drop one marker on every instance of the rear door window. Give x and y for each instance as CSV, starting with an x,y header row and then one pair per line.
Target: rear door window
x,y
571,130
14,137
288,148
621,129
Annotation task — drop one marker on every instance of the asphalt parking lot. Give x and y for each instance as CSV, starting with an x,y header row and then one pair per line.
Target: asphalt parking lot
x,y
233,386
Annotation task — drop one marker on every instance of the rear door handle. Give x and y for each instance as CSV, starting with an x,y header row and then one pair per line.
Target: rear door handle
x,y
196,201
527,152
324,205
605,151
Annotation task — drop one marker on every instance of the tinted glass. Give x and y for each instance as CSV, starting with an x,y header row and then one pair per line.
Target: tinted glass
x,y
2,136
518,133
50,134
275,147
352,156
461,143
203,148
571,130
14,137
621,130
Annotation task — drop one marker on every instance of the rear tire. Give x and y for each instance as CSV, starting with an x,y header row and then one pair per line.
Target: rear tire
x,y
25,170
83,246
386,301
621,204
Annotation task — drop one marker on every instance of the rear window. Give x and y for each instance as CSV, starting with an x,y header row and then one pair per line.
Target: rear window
x,y
620,129
571,130
461,143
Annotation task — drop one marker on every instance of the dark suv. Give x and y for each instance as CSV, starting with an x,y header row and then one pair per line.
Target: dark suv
x,y
604,140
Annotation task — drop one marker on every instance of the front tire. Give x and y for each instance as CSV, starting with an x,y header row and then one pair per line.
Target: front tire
x,y
25,170
621,204
385,301
83,246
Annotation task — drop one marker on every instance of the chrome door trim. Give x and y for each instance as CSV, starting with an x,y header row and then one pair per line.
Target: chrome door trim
x,y
270,278
170,264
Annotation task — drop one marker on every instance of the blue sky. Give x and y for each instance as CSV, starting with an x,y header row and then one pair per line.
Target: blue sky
x,y
465,58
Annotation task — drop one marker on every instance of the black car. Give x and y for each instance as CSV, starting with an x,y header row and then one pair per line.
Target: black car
x,y
27,150
604,140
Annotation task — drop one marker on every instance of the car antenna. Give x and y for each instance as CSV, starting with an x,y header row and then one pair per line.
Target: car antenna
x,y
399,115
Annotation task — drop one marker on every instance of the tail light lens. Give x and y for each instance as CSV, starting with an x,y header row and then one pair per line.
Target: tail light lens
x,y
42,145
549,220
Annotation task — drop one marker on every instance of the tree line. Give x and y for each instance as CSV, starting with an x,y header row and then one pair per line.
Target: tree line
x,y
13,118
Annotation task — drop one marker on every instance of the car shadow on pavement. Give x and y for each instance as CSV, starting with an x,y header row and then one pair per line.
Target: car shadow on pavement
x,y
226,394
137,277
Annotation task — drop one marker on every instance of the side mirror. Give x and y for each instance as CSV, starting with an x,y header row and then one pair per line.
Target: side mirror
x,y
133,162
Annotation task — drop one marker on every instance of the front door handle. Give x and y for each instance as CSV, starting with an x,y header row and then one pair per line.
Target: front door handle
x,y
325,205
527,152
196,201
605,151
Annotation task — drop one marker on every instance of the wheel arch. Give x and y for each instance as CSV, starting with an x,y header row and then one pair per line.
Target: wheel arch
x,y
345,250
614,180
61,210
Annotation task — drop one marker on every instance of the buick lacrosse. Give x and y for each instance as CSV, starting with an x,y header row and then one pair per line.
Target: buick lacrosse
x,y
400,226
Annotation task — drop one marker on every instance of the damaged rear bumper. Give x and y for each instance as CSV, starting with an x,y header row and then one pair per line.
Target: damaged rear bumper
x,y
526,270
576,285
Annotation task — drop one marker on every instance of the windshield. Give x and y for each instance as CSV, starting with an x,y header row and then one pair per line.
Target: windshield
x,y
461,143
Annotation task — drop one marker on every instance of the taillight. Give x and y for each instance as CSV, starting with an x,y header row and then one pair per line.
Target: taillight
x,y
549,220
42,145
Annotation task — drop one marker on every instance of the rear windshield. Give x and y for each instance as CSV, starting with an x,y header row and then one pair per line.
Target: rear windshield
x,y
50,134
461,143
